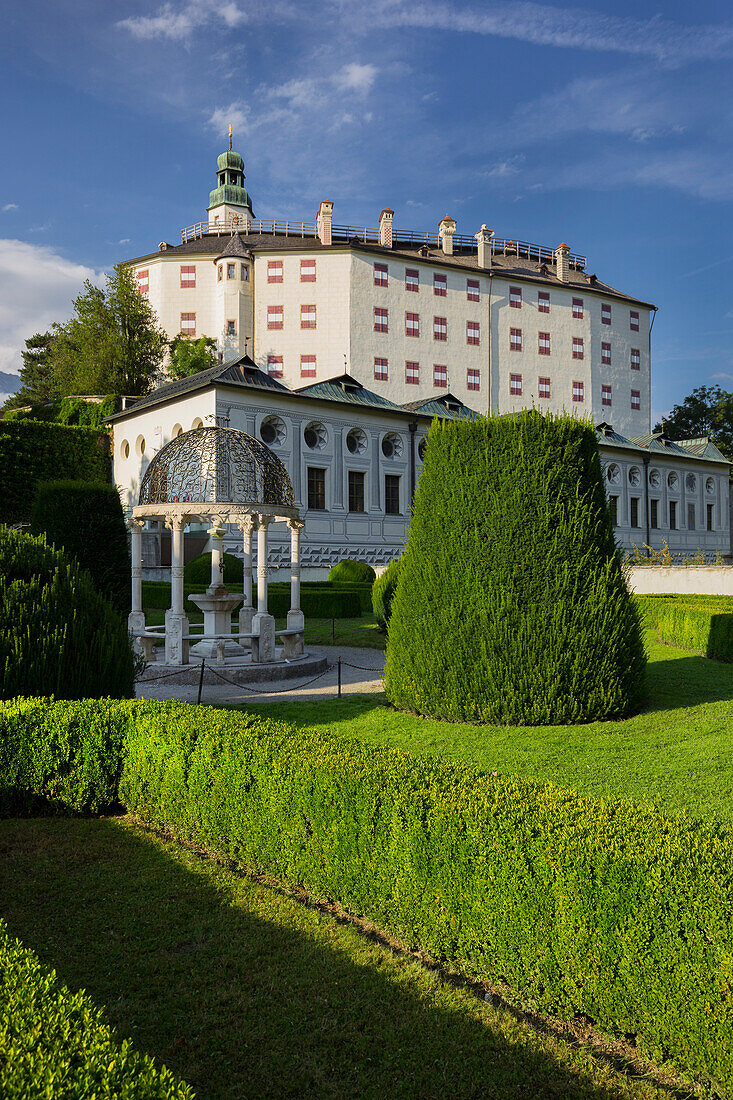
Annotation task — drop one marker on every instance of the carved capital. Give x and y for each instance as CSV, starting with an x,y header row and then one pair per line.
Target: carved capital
x,y
296,524
247,525
135,524
264,521
175,523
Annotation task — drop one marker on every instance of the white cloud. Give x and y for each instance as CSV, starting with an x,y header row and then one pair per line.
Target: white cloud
x,y
356,78
178,24
37,287
10,206
125,240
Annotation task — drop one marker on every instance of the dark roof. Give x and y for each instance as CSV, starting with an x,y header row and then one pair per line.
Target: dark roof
x,y
347,389
610,438
446,406
235,248
659,443
702,448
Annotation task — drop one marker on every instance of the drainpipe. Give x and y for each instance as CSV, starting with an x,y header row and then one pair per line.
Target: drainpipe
x,y
413,428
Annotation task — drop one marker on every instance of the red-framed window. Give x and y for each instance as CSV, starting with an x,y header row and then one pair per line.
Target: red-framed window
x,y
578,347
275,365
440,328
473,290
543,343
579,391
515,297
606,354
307,366
515,339
440,376
412,324
578,309
634,320
473,332
412,279
381,320
544,387
605,313
440,285
143,280
636,399
308,316
412,373
543,301
188,324
381,369
635,359
473,379
274,271
515,385
188,275
381,275
606,395
307,271
275,317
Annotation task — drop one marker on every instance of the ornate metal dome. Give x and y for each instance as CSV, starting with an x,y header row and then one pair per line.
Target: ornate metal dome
x,y
216,466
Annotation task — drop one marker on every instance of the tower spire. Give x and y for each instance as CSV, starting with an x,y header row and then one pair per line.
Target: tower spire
x,y
230,135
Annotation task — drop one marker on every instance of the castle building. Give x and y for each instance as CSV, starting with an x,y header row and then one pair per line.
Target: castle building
x,y
338,345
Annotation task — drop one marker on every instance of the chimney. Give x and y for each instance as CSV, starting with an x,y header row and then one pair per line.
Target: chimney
x,y
385,227
483,237
323,221
446,229
562,252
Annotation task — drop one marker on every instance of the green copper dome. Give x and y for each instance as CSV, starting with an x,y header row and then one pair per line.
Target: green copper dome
x,y
230,159
231,189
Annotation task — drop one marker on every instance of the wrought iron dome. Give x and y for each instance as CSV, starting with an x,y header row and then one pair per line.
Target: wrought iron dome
x,y
215,465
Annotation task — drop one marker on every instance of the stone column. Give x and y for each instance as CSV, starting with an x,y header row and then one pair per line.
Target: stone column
x,y
176,622
136,618
295,615
246,612
263,624
216,534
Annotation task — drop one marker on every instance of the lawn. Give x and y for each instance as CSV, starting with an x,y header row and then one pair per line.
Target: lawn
x,y
677,752
245,992
362,632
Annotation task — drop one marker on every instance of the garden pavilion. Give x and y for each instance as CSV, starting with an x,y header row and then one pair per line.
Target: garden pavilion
x,y
223,476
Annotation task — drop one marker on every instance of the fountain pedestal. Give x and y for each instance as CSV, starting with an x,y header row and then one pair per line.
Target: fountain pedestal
x,y
217,604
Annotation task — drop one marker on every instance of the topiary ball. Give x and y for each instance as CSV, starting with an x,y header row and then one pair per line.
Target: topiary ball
x,y
198,571
349,570
383,591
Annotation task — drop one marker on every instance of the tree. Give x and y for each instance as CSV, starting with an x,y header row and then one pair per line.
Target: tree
x,y
708,410
37,384
191,356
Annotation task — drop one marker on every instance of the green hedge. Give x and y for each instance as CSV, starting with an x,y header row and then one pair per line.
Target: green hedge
x,y
318,604
198,570
71,411
703,624
31,452
55,1043
350,570
383,592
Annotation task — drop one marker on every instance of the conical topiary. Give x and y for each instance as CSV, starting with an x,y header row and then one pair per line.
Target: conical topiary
x,y
511,606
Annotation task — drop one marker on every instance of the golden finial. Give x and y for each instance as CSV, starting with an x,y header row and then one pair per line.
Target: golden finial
x,y
230,135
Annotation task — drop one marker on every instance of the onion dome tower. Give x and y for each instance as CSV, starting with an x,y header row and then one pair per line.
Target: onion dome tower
x,y
229,202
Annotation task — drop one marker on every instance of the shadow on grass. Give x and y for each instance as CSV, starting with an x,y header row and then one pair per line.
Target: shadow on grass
x,y
687,682
244,993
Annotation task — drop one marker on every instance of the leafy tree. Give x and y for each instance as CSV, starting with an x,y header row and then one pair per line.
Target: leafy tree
x,y
708,410
191,356
36,377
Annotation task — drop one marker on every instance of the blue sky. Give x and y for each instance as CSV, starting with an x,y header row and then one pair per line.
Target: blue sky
x,y
604,125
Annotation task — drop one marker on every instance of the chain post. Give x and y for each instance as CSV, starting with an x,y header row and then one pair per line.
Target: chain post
x,y
339,678
201,678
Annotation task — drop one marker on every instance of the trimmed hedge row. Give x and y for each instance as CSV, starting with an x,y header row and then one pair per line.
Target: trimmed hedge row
x,y
70,410
704,625
56,1043
318,604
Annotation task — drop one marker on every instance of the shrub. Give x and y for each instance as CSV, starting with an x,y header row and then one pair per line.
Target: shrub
x,y
383,591
198,571
55,1043
703,624
316,603
31,452
58,636
85,519
73,411
349,570
511,606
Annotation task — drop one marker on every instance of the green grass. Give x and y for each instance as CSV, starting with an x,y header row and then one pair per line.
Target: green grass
x,y
244,992
677,752
362,632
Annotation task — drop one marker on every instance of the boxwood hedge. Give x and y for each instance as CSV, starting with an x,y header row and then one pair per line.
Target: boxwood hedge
x,y
316,603
703,624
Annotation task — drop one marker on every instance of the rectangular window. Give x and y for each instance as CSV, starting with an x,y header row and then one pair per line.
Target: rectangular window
x,y
578,309
473,379
634,320
613,509
381,275
307,366
188,324
307,271
543,346
381,320
690,517
274,271
308,316
544,385
143,280
473,332
274,317
244,273
634,511
636,399
606,355
472,290
412,373
231,271
440,328
635,359
381,369
515,385
578,348
606,316
231,328
440,376
543,301
606,395
579,391
412,279
316,489
654,514
412,324
515,297
220,273
710,516
356,491
515,339
440,285
188,275
392,494
673,515
275,365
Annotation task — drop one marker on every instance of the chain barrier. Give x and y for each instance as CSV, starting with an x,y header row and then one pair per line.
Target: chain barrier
x,y
280,691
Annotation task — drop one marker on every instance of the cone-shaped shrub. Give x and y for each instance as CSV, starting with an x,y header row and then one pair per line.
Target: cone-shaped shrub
x,y
351,570
511,606
383,591
198,570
